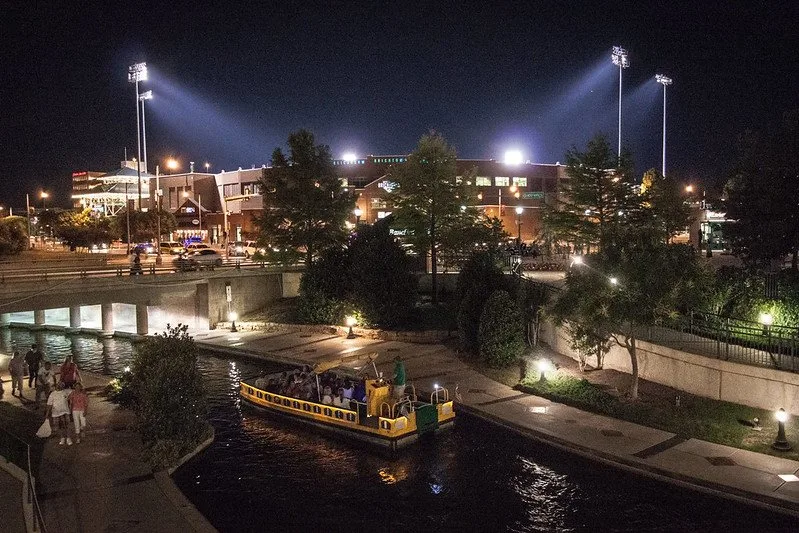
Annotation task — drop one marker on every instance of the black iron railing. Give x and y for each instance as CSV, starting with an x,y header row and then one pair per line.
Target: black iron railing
x,y
18,452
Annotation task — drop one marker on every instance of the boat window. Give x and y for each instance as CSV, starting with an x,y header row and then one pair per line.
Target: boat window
x,y
351,417
306,407
276,399
249,390
317,409
259,394
339,414
385,425
269,397
295,404
286,402
328,411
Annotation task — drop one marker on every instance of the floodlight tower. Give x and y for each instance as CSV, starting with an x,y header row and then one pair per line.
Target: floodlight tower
x,y
147,95
663,80
136,73
620,59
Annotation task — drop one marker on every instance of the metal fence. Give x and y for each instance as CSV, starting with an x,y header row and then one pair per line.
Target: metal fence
x,y
18,452
720,337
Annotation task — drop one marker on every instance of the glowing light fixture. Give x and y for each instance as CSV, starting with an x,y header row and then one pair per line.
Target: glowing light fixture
x,y
350,321
136,73
350,157
513,157
172,164
781,442
544,366
766,319
621,60
233,316
689,188
577,260
614,281
663,80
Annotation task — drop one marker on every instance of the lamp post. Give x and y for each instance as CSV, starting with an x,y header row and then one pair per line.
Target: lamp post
x,y
351,321
357,212
136,73
43,195
519,211
663,80
781,443
147,95
200,214
28,206
620,59
158,258
207,166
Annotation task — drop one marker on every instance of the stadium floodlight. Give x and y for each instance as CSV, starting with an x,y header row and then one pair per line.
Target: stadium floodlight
x,y
349,157
621,60
513,157
136,73
663,80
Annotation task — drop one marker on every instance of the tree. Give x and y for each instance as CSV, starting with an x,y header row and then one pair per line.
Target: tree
x,y
143,225
383,286
305,207
79,229
13,235
667,206
653,281
479,277
597,200
501,335
429,197
762,195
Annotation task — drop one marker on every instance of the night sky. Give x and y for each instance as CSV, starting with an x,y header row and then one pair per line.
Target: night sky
x,y
233,79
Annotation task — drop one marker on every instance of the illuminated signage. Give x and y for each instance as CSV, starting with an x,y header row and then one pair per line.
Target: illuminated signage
x,y
78,174
532,195
387,186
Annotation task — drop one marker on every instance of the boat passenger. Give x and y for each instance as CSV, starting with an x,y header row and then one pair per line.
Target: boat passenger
x,y
327,396
261,383
359,392
349,389
341,401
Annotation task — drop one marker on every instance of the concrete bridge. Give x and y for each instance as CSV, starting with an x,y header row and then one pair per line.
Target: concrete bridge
x,y
138,304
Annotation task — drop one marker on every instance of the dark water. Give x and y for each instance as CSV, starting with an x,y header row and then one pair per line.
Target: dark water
x,y
261,474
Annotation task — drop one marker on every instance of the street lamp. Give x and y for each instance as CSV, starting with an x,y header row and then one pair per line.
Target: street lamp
x,y
207,166
519,211
351,321
513,157
232,316
620,59
172,164
136,73
544,366
357,212
158,258
43,195
663,80
781,443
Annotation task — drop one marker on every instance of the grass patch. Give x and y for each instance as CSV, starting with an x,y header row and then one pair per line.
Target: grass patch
x,y
696,417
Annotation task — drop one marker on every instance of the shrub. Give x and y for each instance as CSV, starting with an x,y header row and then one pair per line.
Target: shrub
x,y
480,276
167,387
500,335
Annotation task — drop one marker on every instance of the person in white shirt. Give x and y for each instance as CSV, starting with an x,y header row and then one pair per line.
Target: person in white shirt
x,y
58,413
45,381
341,401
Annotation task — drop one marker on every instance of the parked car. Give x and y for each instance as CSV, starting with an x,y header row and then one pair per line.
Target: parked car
x,y
199,260
144,248
196,246
243,248
172,248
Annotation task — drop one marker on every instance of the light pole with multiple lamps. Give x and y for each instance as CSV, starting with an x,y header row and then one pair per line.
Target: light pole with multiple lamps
x,y
663,80
147,95
519,211
620,59
136,73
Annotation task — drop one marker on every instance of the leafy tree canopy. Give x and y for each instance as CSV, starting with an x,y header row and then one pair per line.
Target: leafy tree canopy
x,y
305,206
13,235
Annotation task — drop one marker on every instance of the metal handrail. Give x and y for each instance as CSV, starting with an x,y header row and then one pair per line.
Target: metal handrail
x,y
435,394
33,499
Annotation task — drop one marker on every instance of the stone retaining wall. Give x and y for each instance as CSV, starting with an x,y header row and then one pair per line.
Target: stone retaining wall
x,y
755,386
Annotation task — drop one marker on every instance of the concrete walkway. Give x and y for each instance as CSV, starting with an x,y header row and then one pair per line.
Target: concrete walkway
x,y
102,484
724,471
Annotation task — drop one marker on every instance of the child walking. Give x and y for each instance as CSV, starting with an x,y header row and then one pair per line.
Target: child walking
x,y
78,401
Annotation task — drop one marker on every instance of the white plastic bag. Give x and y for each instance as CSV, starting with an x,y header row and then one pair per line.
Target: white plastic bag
x,y
45,430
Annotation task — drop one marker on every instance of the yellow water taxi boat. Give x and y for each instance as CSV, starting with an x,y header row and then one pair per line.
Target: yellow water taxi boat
x,y
380,420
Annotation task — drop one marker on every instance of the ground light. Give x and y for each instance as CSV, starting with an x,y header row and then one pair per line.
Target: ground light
x,y
767,320
781,443
544,366
357,212
232,316
350,321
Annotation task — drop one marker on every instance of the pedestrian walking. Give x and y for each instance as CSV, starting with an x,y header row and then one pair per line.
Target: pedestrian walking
x,y
16,368
58,413
34,359
69,373
78,402
45,381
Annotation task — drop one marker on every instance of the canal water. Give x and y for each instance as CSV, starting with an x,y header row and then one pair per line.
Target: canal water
x,y
261,474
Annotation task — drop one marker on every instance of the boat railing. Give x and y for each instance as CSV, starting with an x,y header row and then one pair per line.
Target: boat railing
x,y
394,410
436,395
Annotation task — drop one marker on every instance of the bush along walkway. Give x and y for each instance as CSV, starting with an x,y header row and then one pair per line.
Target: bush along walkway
x,y
102,483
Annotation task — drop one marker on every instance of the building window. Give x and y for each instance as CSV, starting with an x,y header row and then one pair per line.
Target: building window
x,y
520,182
344,182
383,214
502,181
483,181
